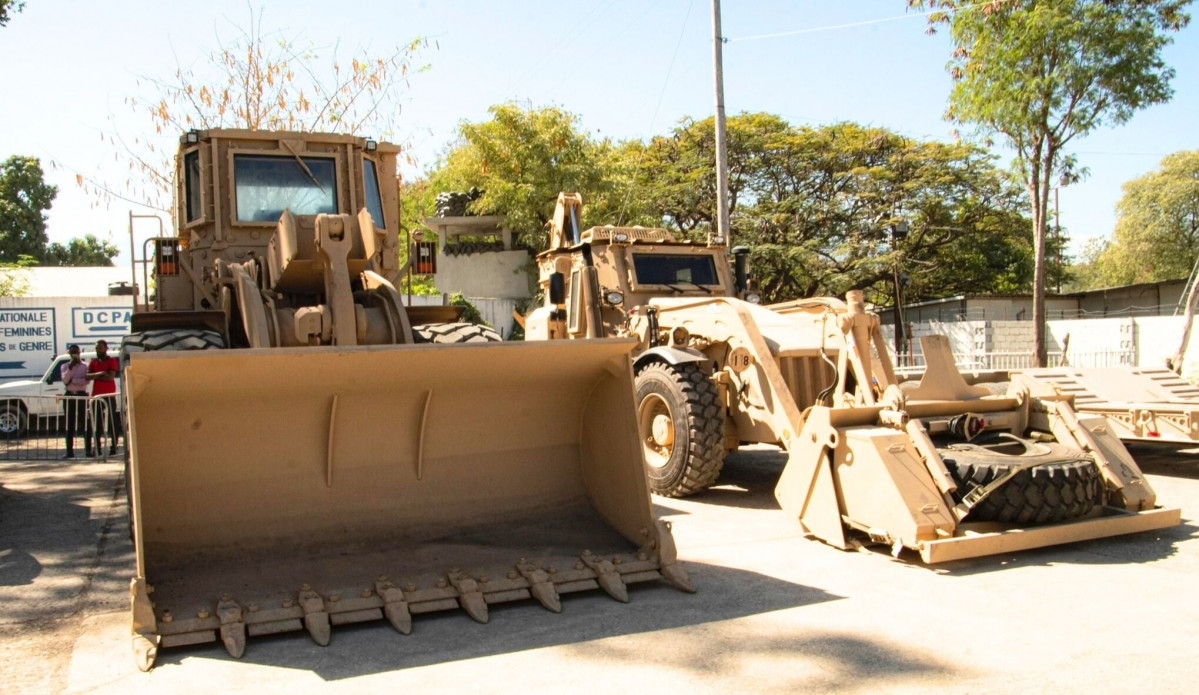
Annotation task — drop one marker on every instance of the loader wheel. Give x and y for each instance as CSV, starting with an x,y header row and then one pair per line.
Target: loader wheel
x,y
682,428
155,341
1062,484
442,333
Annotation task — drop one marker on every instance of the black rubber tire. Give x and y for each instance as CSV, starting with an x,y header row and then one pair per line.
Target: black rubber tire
x,y
697,447
1064,483
448,333
187,339
158,341
14,420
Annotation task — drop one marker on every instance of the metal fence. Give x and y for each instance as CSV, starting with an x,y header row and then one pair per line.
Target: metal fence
x,y
37,427
988,361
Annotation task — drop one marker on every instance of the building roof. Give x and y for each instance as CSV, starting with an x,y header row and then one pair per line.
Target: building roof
x,y
73,282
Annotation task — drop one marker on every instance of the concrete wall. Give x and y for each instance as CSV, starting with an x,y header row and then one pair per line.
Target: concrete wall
x,y
34,330
1135,341
489,274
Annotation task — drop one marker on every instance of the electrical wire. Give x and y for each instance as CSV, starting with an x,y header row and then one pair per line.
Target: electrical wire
x,y
661,95
853,25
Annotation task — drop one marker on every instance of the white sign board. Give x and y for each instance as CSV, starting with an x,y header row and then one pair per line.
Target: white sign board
x,y
27,341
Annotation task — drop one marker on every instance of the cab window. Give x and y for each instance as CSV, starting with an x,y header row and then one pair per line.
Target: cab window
x,y
191,182
266,185
374,202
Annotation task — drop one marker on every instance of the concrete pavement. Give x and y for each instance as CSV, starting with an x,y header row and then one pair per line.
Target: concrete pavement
x,y
775,612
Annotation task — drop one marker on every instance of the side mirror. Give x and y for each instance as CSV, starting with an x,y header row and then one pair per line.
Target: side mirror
x,y
557,289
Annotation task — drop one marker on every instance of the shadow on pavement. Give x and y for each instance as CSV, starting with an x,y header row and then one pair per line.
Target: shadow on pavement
x,y
723,594
747,480
55,523
1166,459
839,661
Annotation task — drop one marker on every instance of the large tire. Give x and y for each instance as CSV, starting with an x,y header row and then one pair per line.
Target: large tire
x,y
1061,484
188,339
681,425
157,341
447,333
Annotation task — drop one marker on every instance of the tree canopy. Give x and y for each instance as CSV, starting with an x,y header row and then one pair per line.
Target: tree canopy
x,y
1041,73
24,199
1157,232
816,205
8,8
521,159
264,81
85,251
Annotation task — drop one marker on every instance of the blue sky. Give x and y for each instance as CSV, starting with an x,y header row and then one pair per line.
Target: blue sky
x,y
627,68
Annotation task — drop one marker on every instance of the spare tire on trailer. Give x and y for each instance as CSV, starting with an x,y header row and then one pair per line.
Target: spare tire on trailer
x,y
1057,483
448,333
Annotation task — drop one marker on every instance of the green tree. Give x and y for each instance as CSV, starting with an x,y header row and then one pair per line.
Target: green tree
x,y
521,159
817,206
85,251
1157,233
1041,73
14,278
24,198
7,6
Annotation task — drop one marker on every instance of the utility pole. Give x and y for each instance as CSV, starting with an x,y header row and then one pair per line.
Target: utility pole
x,y
1057,223
722,157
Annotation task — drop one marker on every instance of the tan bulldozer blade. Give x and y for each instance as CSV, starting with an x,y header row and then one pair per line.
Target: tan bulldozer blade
x,y
287,489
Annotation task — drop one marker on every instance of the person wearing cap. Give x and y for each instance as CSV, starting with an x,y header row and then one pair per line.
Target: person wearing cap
x,y
102,372
74,402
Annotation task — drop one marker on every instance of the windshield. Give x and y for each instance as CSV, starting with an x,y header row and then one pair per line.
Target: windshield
x,y
663,269
266,185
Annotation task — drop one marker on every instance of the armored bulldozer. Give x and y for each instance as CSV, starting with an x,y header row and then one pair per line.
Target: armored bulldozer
x,y
940,467
306,451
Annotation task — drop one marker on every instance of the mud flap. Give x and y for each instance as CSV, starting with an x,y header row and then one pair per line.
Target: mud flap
x,y
290,489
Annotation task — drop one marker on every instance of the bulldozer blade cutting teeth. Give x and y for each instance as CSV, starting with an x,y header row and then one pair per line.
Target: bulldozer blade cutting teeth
x,y
676,575
145,652
390,458
233,627
544,592
399,617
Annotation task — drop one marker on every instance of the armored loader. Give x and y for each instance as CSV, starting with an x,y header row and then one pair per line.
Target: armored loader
x,y
306,451
940,467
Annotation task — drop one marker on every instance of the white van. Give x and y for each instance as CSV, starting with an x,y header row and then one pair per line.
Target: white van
x,y
23,403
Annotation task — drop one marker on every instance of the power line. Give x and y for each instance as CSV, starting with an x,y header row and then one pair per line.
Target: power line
x,y
851,25
661,94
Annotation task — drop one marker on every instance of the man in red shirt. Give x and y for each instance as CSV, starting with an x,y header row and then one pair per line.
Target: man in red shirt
x,y
102,372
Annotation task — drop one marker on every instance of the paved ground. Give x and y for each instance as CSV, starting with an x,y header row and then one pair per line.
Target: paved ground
x,y
774,612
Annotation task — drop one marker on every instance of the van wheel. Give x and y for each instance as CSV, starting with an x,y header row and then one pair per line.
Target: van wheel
x,y
13,421
1061,484
681,425
445,333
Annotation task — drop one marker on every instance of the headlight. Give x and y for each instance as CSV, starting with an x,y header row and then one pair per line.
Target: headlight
x,y
614,298
620,238
753,298
679,335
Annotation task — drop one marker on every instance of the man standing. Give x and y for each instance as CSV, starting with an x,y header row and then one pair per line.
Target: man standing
x,y
102,372
74,402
